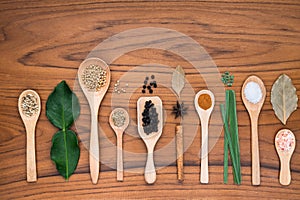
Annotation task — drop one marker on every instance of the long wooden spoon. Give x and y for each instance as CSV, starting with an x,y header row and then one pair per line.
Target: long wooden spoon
x,y
285,143
151,139
119,128
204,115
94,98
254,111
30,119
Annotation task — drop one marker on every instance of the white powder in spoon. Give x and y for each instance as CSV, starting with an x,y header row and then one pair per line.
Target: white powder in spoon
x,y
253,92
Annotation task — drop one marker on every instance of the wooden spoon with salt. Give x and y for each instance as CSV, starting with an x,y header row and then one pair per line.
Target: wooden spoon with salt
x,y
151,139
30,119
285,143
94,98
119,128
254,109
204,115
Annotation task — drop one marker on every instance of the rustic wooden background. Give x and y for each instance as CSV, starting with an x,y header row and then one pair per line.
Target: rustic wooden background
x,y
43,42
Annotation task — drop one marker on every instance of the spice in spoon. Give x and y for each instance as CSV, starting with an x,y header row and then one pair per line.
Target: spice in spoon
x,y
204,101
150,118
253,92
94,77
285,140
119,118
29,105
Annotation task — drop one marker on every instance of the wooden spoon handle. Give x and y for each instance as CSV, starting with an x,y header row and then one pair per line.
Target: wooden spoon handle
x,y
94,149
255,153
30,153
204,153
179,150
285,172
119,158
150,173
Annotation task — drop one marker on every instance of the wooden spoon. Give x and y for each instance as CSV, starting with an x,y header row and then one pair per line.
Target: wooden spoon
x,y
204,116
30,123
254,110
285,152
151,139
119,130
94,99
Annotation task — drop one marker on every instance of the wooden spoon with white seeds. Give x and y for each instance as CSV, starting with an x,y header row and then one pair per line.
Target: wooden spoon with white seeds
x,y
29,106
119,121
94,95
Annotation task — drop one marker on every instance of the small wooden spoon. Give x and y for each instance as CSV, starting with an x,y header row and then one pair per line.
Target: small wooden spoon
x,y
30,123
119,130
285,153
254,111
151,139
94,99
204,116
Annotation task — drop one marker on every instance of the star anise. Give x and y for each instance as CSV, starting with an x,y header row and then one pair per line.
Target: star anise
x,y
179,110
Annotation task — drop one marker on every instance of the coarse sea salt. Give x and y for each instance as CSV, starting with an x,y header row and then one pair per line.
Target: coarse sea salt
x,y
253,92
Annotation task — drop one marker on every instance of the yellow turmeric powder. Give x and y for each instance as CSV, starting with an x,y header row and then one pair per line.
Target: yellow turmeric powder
x,y
204,101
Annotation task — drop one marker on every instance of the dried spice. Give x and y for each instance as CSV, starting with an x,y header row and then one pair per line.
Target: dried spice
x,y
150,118
285,140
253,92
179,110
284,98
204,101
94,77
119,118
149,86
29,105
118,89
178,80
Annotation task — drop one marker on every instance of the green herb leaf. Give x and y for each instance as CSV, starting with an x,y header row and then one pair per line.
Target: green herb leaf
x,y
62,106
65,152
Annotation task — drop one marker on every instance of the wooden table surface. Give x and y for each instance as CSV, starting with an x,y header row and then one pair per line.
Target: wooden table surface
x,y
44,42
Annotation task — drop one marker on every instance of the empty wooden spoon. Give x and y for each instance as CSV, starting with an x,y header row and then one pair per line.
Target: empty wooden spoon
x,y
253,95
94,79
150,138
119,120
204,104
29,105
285,143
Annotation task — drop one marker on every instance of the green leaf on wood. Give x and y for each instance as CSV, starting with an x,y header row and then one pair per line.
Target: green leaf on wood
x,y
62,108
65,152
284,98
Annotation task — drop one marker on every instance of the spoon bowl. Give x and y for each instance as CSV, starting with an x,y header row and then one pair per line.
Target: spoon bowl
x,y
204,115
119,130
254,111
30,120
151,139
285,144
94,98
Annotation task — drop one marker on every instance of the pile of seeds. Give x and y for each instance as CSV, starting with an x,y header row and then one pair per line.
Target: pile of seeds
x,y
118,89
119,118
94,77
149,87
150,118
29,105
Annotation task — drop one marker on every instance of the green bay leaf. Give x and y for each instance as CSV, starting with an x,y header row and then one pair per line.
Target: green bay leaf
x,y
62,106
65,152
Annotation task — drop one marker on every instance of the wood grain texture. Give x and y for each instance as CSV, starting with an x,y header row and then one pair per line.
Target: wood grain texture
x,y
43,42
